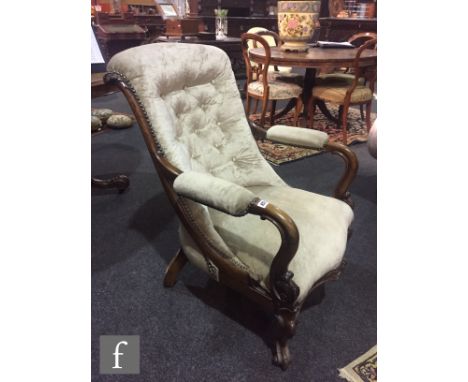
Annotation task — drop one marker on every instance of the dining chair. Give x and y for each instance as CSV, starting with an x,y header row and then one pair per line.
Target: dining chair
x,y
345,74
345,93
261,86
282,73
240,222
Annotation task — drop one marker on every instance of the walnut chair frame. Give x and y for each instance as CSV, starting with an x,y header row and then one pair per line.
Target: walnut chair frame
x,y
280,301
370,75
260,73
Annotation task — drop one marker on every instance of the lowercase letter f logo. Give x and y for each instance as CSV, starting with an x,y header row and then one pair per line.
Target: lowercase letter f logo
x,y
117,354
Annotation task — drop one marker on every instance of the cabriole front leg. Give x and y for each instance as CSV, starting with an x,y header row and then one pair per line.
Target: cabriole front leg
x,y
284,329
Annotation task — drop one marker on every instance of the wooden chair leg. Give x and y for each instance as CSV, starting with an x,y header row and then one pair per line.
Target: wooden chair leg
x,y
311,109
272,112
284,329
255,105
340,117
248,101
368,115
264,110
361,110
344,124
174,268
297,111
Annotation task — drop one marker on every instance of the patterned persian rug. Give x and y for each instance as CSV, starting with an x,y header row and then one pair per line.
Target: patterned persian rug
x,y
363,369
278,154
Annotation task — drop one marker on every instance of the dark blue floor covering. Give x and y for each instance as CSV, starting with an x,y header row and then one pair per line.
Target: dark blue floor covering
x,y
199,330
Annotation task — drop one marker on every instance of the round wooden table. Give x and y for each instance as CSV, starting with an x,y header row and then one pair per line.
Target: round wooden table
x,y
315,58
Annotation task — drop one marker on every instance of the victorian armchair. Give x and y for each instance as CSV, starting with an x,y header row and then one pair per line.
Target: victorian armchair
x,y
240,222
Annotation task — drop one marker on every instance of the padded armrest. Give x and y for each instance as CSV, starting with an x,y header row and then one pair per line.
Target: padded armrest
x,y
297,136
214,192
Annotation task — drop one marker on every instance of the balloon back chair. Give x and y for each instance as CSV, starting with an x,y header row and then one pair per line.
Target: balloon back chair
x,y
345,92
260,85
345,74
240,222
282,73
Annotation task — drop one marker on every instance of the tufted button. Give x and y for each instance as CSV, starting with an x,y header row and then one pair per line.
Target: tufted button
x,y
234,159
218,123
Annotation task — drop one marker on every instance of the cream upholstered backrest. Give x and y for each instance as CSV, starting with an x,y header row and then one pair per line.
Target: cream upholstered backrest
x,y
194,106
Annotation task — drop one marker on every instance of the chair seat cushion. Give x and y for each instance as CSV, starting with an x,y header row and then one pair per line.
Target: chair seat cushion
x,y
278,89
336,93
343,79
323,228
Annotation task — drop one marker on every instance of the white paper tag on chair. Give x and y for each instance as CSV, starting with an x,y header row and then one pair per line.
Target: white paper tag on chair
x,y
262,203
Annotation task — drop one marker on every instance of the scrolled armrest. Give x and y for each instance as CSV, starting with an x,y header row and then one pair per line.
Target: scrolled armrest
x,y
351,168
238,201
214,192
297,136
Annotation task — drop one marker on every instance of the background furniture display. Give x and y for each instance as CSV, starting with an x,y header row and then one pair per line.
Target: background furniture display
x,y
212,170
334,27
153,24
117,32
176,25
345,93
261,85
315,58
242,14
352,8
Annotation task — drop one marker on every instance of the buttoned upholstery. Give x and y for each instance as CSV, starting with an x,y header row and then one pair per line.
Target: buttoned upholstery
x,y
196,114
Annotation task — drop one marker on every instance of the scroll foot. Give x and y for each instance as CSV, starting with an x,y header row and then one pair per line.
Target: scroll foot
x,y
285,327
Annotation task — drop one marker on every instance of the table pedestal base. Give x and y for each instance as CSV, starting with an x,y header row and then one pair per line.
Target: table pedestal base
x,y
309,82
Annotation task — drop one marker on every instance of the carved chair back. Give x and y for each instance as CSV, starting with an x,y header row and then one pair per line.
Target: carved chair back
x,y
259,71
362,37
368,72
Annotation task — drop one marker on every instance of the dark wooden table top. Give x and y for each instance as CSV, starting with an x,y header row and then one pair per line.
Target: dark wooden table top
x,y
197,40
314,57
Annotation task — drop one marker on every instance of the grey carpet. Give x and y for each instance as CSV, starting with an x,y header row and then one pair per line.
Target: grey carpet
x,y
200,330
